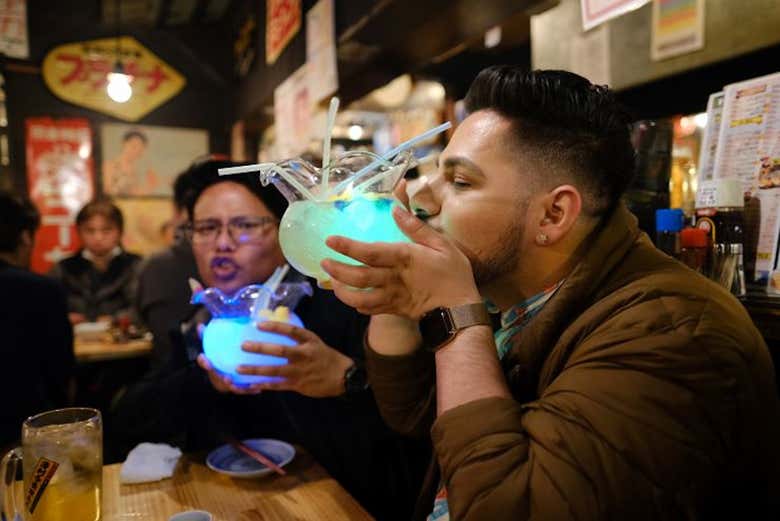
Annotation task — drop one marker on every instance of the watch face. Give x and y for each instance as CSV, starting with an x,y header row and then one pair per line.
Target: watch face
x,y
436,328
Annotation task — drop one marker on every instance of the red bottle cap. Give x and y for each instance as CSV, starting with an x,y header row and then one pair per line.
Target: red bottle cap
x,y
694,238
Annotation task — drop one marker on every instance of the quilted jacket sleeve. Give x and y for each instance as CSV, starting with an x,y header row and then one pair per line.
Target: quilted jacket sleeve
x,y
633,427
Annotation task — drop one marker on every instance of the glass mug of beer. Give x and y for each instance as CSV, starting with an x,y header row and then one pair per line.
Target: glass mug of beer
x,y
62,461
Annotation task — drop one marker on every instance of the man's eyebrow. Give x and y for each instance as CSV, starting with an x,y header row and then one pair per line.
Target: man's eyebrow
x,y
454,161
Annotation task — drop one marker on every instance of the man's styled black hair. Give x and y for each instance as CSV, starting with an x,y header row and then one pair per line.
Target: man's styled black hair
x,y
577,129
205,174
18,215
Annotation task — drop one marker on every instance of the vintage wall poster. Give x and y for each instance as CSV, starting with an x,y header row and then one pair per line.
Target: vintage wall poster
x,y
148,224
60,182
143,160
77,73
282,23
678,28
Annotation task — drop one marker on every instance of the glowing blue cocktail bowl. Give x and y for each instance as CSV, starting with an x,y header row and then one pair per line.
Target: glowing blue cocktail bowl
x,y
234,321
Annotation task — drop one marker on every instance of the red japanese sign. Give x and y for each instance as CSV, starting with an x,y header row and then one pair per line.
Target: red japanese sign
x,y
282,22
60,182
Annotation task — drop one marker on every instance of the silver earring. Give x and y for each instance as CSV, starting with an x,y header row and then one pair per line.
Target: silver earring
x,y
542,238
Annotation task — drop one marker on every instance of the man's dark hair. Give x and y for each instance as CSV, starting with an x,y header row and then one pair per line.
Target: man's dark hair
x,y
205,174
576,130
130,134
18,215
103,207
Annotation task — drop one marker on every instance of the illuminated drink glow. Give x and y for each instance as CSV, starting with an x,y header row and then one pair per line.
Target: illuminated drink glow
x,y
306,225
234,321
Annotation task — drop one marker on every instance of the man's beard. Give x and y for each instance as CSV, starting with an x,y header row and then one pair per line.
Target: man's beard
x,y
502,259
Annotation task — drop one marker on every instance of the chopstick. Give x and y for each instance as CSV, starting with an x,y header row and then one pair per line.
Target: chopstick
x,y
257,456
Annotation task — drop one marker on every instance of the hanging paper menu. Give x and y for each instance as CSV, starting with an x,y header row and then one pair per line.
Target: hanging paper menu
x,y
709,144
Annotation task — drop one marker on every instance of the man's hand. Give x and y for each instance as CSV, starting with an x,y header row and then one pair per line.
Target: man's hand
x,y
401,278
223,383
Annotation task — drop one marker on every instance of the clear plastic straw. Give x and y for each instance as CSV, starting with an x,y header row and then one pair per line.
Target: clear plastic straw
x,y
355,179
269,288
257,167
334,107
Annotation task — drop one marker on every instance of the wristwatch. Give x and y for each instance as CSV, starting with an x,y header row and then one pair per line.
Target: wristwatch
x,y
355,379
440,325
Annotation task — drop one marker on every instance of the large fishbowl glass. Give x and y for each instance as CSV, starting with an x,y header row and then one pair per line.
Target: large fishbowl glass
x,y
234,321
353,198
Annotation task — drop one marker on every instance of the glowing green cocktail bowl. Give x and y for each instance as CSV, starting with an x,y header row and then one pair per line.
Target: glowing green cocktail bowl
x,y
357,203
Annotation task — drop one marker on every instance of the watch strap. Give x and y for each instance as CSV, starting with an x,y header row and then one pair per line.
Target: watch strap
x,y
469,315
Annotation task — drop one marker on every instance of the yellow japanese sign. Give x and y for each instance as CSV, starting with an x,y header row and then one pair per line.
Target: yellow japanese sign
x,y
77,73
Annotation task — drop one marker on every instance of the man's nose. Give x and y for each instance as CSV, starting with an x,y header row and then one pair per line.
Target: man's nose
x,y
423,199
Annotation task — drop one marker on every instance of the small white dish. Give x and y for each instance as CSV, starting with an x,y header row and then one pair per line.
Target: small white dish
x,y
87,331
230,461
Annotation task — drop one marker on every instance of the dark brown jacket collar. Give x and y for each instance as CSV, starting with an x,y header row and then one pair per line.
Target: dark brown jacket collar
x,y
601,253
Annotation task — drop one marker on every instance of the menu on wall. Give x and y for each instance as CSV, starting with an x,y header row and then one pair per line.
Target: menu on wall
x,y
748,150
60,182
709,143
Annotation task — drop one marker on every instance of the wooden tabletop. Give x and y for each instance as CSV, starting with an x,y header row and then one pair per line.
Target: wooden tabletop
x,y
306,492
100,350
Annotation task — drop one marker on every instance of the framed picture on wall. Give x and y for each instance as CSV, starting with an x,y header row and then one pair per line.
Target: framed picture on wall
x,y
143,160
147,224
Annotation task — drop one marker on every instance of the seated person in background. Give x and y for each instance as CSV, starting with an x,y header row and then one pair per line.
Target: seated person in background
x,y
622,385
164,293
324,404
100,279
37,340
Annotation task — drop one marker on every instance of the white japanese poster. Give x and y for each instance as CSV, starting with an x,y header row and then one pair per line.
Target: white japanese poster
x,y
14,41
321,50
595,12
292,114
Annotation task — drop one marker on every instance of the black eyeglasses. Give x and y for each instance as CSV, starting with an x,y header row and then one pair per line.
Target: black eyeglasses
x,y
242,230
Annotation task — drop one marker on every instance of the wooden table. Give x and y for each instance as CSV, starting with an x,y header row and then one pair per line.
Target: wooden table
x,y
101,350
306,492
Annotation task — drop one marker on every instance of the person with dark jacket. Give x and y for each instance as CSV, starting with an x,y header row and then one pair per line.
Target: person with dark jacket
x,y
323,402
37,340
621,385
101,278
162,298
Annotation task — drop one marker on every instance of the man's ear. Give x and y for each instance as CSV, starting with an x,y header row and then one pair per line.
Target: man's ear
x,y
562,207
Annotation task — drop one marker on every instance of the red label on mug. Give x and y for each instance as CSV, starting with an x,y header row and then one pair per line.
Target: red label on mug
x,y
41,475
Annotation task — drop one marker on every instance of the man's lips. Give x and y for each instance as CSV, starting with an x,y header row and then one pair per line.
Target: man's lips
x,y
224,267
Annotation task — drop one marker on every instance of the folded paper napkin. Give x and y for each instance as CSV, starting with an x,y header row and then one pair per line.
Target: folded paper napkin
x,y
149,462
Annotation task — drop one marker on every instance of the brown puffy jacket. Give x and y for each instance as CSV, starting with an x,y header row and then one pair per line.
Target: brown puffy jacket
x,y
642,391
